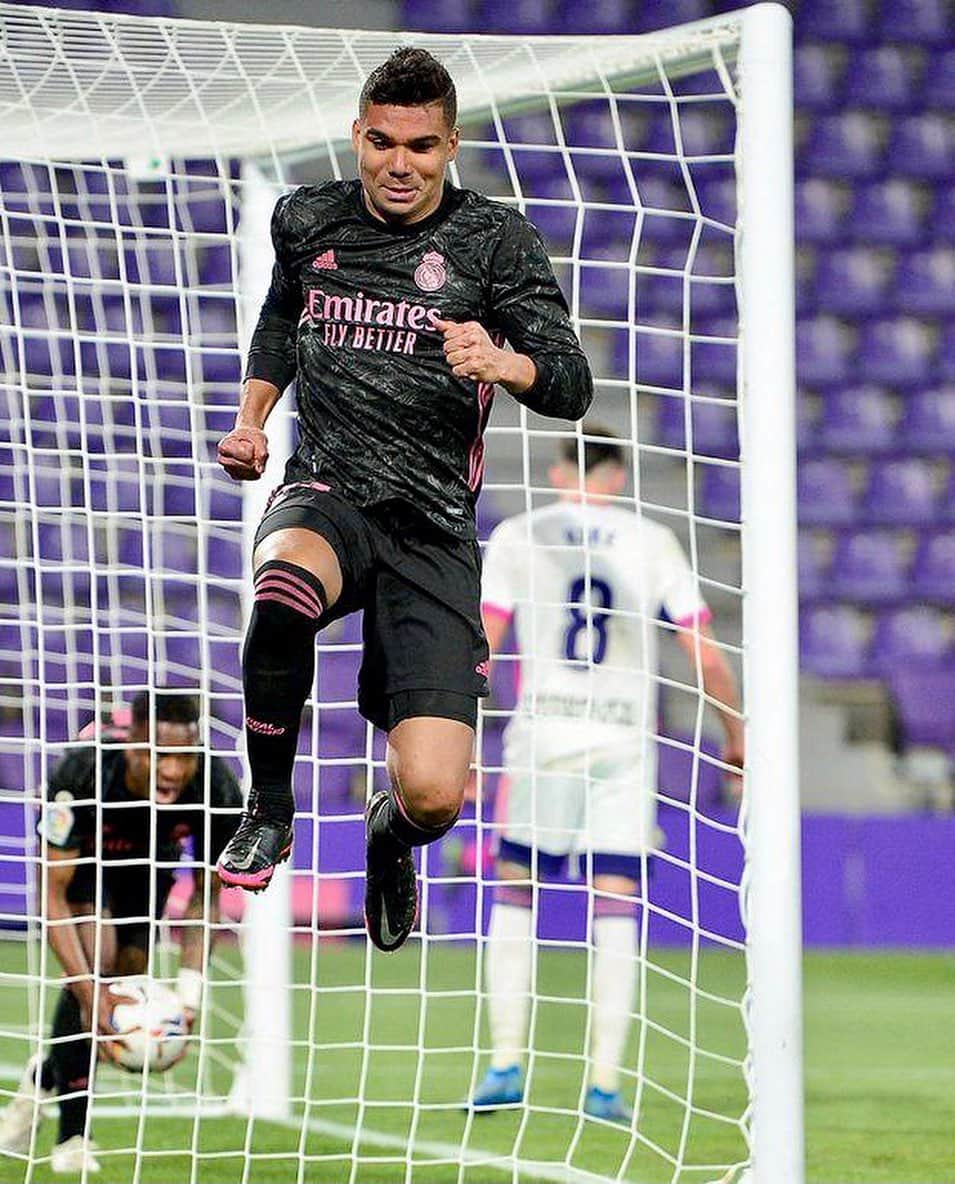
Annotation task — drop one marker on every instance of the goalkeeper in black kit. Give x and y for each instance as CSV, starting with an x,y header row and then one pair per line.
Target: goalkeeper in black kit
x,y
391,300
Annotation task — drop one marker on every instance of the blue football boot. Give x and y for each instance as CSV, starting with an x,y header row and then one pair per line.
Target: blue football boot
x,y
500,1087
607,1104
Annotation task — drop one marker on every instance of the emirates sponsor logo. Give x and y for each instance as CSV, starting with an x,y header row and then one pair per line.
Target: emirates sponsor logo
x,y
263,729
430,274
325,261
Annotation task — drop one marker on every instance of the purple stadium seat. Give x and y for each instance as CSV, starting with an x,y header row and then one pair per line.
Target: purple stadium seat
x,y
604,291
870,567
819,20
946,354
807,426
714,428
860,419
659,358
848,145
852,282
215,265
938,86
650,15
892,212
823,351
717,200
925,282
834,641
826,494
454,16
720,493
901,491
820,210
923,146
896,352
817,78
714,361
917,635
880,77
924,700
926,21
814,557
518,16
706,130
589,125
598,16
934,569
929,422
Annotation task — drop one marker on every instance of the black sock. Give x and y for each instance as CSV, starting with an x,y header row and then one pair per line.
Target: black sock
x,y
47,1078
392,820
71,1062
278,663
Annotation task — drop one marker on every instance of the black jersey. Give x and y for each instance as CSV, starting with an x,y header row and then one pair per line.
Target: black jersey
x,y
352,311
72,818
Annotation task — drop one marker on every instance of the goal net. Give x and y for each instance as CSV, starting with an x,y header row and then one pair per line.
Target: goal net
x,y
141,159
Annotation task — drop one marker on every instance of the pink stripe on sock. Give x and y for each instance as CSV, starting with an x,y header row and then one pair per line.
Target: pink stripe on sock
x,y
280,598
611,906
291,582
518,896
309,601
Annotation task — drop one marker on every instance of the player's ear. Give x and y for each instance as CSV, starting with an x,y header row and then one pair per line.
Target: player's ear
x,y
618,480
356,134
453,141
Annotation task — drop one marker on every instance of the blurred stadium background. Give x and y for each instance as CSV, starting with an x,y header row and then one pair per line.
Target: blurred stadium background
x,y
875,225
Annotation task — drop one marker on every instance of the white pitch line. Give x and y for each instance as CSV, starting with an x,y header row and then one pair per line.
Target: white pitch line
x,y
552,1173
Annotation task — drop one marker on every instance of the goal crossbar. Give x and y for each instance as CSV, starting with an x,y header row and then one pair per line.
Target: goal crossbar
x,y
232,89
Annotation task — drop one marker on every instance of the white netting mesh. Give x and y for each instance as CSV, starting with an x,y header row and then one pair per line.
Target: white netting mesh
x,y
123,566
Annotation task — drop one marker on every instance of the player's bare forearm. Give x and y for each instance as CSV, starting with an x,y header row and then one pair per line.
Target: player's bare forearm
x,y
66,945
192,949
719,683
244,452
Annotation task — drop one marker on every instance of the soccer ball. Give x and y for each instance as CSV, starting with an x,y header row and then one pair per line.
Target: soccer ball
x,y
150,1024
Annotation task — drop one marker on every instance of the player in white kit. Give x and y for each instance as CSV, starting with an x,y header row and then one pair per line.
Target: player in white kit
x,y
585,582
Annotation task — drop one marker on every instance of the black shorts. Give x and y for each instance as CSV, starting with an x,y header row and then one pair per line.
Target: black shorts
x,y
425,652
126,893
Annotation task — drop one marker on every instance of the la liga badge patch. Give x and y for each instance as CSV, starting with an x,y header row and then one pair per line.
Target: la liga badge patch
x,y
57,823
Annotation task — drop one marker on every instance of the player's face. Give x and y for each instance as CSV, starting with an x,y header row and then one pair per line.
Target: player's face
x,y
174,768
402,156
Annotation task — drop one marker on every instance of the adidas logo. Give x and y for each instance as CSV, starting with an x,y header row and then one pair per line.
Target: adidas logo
x,y
325,261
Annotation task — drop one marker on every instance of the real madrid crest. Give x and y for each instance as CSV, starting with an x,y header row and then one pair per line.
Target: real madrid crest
x,y
430,274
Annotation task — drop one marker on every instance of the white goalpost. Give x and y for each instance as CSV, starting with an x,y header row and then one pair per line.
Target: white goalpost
x,y
139,163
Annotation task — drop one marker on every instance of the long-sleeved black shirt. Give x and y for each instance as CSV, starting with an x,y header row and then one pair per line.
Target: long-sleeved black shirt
x,y
351,314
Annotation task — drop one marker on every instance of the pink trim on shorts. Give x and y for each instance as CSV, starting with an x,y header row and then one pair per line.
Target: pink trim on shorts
x,y
497,610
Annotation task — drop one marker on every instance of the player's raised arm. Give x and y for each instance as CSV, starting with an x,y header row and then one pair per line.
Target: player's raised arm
x,y
271,365
528,307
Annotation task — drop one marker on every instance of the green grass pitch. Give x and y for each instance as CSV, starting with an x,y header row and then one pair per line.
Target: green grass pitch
x,y
880,1077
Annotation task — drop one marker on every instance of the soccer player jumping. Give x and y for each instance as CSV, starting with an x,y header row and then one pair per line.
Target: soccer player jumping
x,y
391,299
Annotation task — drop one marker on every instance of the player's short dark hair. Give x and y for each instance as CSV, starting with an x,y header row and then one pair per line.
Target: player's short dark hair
x,y
171,707
410,78
600,445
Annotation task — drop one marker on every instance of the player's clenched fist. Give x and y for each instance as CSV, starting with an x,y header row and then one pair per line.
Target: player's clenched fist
x,y
470,351
244,453
472,354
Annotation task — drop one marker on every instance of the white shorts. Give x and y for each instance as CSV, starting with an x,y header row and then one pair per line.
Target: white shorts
x,y
601,806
